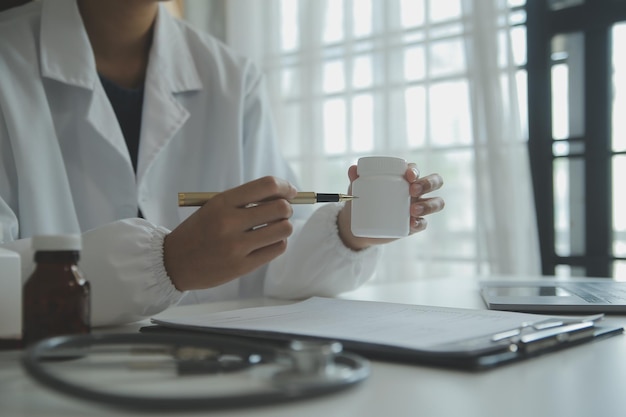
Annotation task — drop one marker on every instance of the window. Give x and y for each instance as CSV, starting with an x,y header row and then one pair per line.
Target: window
x,y
576,72
439,83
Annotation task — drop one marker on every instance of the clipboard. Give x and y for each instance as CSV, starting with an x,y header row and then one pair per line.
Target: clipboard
x,y
457,338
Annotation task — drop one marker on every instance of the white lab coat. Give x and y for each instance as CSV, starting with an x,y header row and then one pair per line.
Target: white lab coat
x,y
65,168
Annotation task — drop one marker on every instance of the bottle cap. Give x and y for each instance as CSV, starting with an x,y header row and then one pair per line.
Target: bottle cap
x,y
373,165
57,243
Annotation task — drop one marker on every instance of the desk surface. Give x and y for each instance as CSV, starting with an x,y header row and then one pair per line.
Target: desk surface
x,y
586,380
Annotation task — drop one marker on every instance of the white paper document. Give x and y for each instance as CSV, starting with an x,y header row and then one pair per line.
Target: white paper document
x,y
400,325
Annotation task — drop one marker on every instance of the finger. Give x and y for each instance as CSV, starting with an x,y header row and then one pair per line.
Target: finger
x,y
352,176
426,206
250,259
426,184
265,254
265,212
418,224
268,235
412,173
262,189
352,173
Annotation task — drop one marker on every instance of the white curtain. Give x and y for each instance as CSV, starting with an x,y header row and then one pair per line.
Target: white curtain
x,y
502,166
437,82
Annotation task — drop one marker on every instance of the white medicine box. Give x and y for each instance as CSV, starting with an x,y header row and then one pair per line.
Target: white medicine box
x,y
10,295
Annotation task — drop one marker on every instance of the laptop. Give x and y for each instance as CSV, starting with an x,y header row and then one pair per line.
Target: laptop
x,y
579,295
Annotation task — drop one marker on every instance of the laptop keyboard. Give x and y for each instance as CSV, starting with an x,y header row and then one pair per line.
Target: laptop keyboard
x,y
598,293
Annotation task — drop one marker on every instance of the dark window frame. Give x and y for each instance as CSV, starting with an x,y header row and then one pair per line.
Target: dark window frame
x,y
594,19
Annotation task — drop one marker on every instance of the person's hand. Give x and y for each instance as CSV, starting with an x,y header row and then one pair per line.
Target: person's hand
x,y
420,206
230,235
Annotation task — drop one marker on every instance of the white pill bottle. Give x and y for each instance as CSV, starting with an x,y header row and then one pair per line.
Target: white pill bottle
x,y
381,208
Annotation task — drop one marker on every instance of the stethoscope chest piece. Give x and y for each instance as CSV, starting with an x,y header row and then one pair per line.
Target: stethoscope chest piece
x,y
320,364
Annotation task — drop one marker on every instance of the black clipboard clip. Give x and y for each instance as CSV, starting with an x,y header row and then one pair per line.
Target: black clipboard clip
x,y
523,342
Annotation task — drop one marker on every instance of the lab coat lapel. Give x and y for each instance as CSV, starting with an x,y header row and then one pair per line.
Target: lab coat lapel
x,y
67,57
171,71
66,54
39,168
104,121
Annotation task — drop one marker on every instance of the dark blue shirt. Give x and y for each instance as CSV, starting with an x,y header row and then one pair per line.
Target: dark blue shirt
x,y
127,105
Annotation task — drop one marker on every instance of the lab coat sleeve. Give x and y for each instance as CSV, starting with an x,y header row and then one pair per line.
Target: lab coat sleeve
x,y
123,262
317,263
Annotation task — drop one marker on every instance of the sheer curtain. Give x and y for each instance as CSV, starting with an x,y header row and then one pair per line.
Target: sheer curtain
x,y
438,82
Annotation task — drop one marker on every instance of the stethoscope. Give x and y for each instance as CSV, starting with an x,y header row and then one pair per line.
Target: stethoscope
x,y
188,372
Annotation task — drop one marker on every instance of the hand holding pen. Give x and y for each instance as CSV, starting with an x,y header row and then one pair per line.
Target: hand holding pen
x,y
231,234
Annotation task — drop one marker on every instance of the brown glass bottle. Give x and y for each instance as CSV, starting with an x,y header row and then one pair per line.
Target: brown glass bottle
x,y
56,297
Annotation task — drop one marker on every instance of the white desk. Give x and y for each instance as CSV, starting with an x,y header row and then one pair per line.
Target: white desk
x,y
586,381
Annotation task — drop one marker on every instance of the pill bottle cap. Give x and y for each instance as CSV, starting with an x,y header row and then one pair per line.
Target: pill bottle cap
x,y
57,243
376,165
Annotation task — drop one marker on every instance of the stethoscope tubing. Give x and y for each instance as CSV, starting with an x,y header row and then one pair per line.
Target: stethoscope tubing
x,y
32,363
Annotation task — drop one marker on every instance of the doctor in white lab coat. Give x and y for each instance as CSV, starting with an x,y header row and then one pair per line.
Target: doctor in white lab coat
x,y
65,168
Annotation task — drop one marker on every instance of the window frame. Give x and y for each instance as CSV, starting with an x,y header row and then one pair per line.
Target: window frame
x,y
595,20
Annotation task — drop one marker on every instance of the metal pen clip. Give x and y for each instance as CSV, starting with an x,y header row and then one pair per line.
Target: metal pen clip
x,y
543,335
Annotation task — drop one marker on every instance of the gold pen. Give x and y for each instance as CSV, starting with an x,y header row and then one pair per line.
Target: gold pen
x,y
307,197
